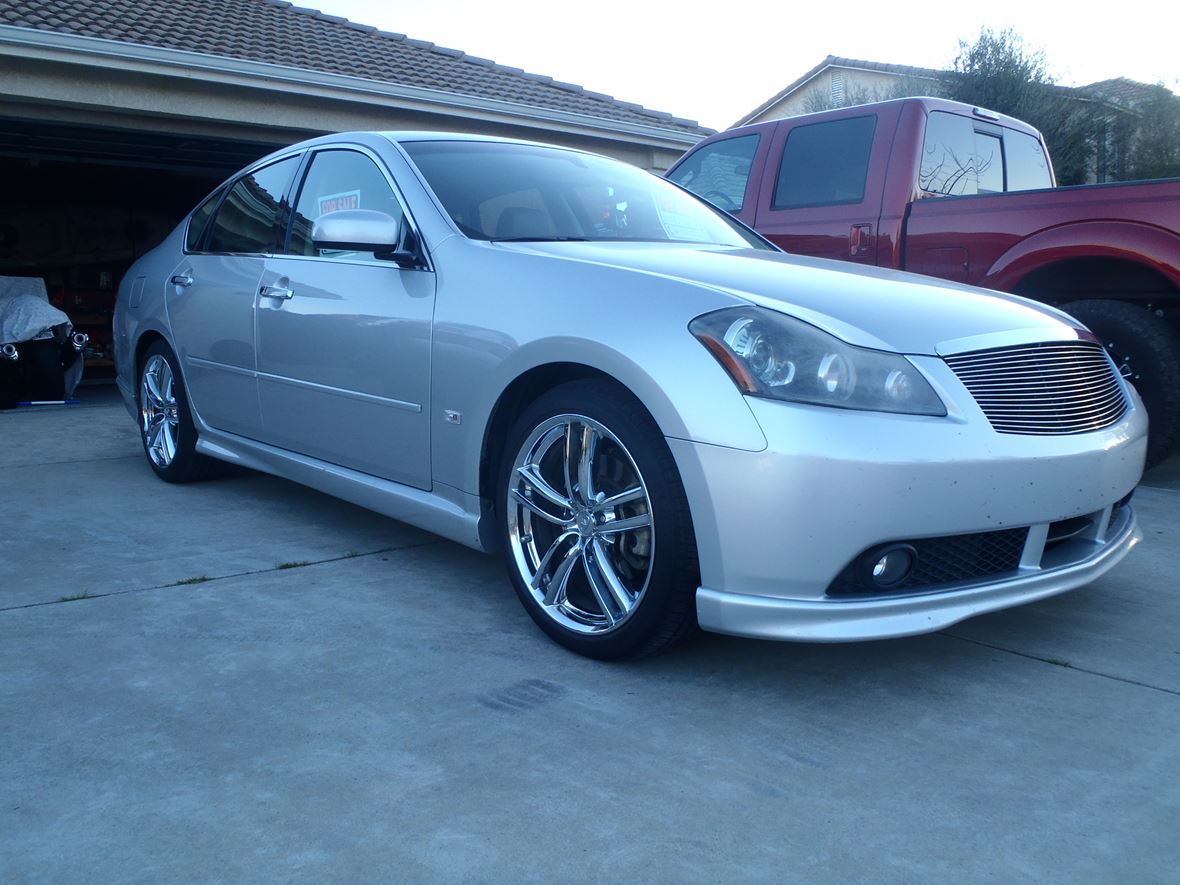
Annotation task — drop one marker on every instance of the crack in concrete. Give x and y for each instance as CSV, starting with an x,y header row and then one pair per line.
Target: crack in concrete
x,y
1065,665
70,461
282,567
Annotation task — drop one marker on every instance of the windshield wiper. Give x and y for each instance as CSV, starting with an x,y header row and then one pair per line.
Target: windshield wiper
x,y
540,239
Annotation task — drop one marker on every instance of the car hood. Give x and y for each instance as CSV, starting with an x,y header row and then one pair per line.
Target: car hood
x,y
867,306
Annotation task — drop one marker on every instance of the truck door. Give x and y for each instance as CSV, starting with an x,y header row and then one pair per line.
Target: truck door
x,y
720,171
821,195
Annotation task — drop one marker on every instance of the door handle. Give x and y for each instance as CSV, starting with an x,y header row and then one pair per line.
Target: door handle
x,y
184,280
860,237
275,292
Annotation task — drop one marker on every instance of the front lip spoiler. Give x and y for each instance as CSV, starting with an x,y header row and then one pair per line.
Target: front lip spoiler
x,y
763,617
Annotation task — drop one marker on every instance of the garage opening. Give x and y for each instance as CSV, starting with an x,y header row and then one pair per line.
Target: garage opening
x,y
81,203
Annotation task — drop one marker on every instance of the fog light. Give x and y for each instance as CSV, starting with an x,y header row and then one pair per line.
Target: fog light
x,y
892,565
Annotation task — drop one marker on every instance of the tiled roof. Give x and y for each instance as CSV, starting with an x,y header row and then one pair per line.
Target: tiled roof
x,y
837,61
275,32
1121,91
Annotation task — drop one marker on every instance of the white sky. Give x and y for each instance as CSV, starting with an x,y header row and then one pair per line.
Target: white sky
x,y
715,61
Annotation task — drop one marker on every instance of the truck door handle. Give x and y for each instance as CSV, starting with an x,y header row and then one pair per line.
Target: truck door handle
x,y
860,236
184,280
275,292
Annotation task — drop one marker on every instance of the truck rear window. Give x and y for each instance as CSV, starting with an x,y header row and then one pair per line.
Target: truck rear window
x,y
825,163
1027,167
961,156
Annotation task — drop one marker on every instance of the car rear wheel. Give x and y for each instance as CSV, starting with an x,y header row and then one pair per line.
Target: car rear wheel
x,y
596,529
165,422
1146,351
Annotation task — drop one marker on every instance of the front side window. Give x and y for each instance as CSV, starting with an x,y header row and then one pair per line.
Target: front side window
x,y
505,191
247,220
336,180
719,171
825,163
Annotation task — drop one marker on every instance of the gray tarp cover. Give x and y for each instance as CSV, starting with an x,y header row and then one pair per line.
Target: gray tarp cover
x,y
25,311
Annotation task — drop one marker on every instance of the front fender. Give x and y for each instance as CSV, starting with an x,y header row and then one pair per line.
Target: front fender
x,y
632,328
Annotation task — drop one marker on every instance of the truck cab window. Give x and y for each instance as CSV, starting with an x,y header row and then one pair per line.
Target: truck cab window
x,y
719,171
1027,167
950,165
989,163
825,163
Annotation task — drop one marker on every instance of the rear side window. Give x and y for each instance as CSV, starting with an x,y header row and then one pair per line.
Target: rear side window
x,y
1027,167
199,221
719,171
247,220
825,163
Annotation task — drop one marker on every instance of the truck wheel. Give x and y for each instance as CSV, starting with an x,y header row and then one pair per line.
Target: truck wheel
x,y
1146,351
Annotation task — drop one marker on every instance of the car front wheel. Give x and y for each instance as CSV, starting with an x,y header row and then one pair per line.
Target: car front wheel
x,y
595,523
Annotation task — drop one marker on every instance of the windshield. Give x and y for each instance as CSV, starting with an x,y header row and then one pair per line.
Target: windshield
x,y
515,192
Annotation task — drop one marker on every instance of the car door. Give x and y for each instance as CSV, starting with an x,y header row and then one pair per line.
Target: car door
x,y
212,293
822,195
344,337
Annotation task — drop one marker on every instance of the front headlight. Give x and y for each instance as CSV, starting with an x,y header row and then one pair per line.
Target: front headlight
x,y
772,355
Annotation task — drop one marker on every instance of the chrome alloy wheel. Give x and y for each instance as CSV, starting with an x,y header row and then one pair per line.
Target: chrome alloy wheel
x,y
159,417
580,524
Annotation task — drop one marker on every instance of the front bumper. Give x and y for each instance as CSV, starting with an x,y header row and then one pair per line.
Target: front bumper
x,y
847,620
775,528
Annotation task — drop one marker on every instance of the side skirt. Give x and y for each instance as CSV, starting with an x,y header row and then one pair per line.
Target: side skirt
x,y
446,511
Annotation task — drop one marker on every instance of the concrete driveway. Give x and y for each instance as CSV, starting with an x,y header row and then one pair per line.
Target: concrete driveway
x,y
245,680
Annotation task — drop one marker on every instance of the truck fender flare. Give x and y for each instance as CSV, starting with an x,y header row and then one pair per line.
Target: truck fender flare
x,y
1142,244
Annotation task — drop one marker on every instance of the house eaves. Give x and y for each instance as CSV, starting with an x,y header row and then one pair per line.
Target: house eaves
x,y
71,49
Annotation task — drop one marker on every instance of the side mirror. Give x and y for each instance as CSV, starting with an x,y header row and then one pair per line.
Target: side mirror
x,y
362,230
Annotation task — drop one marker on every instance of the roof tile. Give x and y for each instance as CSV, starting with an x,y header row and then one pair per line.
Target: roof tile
x,y
277,32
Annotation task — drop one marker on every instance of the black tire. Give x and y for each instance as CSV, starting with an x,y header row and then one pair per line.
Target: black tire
x,y
1147,351
656,564
183,464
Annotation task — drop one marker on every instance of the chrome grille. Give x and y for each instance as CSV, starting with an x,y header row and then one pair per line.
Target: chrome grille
x,y
1042,389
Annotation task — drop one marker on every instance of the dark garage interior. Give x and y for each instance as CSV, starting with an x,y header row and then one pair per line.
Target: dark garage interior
x,y
81,203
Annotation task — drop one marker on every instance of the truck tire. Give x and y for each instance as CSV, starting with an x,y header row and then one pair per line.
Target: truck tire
x,y
1146,351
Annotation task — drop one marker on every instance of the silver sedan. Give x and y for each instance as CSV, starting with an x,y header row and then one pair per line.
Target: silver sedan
x,y
660,420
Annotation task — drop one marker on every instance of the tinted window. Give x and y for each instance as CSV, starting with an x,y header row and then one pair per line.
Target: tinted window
x,y
1027,167
247,220
719,171
199,221
339,180
825,163
949,162
503,191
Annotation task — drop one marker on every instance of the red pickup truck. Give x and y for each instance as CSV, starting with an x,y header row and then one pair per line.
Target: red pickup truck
x,y
942,188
